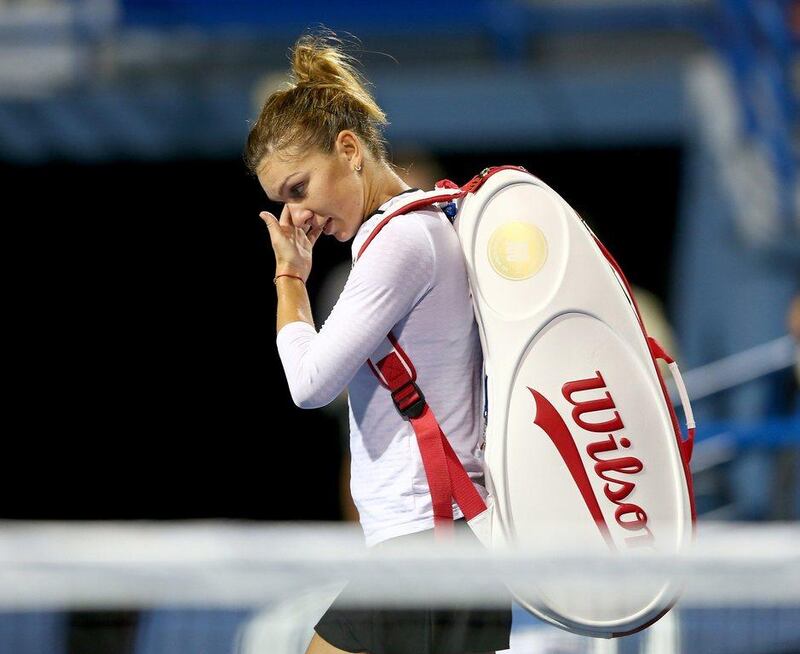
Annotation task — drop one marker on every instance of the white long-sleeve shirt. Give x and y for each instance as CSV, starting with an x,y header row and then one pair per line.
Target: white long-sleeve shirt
x,y
411,280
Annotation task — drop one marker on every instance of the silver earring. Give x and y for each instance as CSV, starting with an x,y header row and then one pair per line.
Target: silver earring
x,y
358,168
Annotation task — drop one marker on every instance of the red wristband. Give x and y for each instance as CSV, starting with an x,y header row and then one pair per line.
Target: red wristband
x,y
275,279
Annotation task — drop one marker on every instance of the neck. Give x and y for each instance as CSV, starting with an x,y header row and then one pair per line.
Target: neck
x,y
383,185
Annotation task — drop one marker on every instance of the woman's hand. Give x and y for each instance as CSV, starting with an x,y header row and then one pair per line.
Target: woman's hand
x,y
292,245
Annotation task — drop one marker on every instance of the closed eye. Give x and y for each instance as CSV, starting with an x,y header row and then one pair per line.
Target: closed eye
x,y
297,191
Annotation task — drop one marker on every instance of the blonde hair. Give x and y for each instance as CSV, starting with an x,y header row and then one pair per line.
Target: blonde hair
x,y
327,95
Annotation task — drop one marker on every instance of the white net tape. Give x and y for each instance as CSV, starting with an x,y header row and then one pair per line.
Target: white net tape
x,y
223,564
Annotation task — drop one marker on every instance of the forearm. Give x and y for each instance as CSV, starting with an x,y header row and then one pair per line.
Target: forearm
x,y
383,288
293,303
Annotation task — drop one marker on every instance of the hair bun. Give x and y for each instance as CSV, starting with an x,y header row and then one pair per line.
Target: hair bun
x,y
327,95
319,61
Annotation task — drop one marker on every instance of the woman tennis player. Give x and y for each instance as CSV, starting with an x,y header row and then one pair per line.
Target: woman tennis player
x,y
317,146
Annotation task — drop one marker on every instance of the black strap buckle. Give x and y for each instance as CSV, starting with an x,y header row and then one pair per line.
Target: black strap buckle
x,y
409,400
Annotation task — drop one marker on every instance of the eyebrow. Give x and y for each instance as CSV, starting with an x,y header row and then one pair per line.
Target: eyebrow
x,y
280,188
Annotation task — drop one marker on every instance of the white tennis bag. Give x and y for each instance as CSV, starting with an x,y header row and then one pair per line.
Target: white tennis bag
x,y
582,442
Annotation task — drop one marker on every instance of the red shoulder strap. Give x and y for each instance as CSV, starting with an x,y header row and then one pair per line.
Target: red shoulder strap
x,y
446,196
445,473
417,204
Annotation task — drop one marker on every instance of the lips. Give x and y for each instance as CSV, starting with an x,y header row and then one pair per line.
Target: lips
x,y
326,225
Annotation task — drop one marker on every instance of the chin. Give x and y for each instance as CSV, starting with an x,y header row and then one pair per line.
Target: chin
x,y
343,235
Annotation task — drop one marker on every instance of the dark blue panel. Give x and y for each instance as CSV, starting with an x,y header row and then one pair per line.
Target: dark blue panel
x,y
410,14
188,631
33,632
738,630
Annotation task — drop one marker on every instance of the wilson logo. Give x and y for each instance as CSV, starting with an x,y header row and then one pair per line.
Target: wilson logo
x,y
615,471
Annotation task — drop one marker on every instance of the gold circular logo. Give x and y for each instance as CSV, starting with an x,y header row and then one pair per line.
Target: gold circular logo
x,y
517,250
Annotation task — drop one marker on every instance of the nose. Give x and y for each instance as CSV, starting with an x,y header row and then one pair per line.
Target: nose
x,y
300,216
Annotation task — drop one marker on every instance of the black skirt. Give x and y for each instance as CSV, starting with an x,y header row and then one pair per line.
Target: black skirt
x,y
424,630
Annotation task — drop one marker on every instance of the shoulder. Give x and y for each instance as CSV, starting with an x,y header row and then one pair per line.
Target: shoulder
x,y
416,224
417,229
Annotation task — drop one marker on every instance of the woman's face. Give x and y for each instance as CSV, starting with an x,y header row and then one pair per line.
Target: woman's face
x,y
318,189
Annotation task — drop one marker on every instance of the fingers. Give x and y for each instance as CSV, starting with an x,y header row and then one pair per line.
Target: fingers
x,y
277,235
269,219
273,226
313,234
286,217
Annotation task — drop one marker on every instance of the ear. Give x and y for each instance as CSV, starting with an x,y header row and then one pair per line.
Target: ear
x,y
348,146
